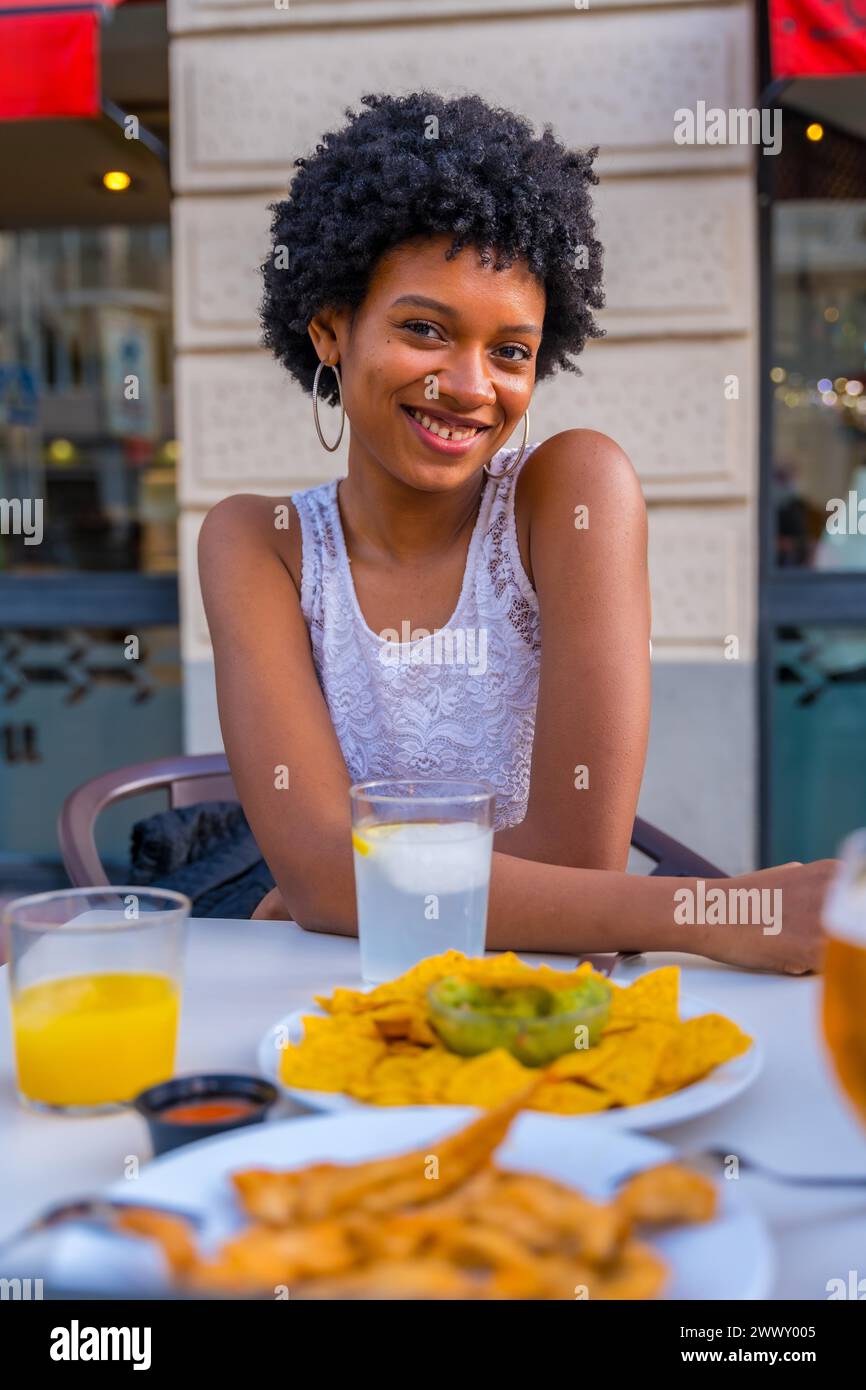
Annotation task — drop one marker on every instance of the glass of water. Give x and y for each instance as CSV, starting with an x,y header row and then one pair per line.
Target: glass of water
x,y
422,854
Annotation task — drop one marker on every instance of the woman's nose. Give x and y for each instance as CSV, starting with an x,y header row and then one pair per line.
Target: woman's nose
x,y
466,381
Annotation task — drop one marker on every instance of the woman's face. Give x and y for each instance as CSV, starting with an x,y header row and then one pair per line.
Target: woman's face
x,y
438,363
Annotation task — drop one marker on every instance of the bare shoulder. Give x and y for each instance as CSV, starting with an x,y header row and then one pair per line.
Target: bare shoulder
x,y
243,517
246,527
584,459
573,478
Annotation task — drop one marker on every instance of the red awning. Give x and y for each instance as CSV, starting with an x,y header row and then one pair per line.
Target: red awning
x,y
49,58
817,38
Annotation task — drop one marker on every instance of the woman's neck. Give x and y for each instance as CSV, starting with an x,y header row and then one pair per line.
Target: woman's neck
x,y
384,518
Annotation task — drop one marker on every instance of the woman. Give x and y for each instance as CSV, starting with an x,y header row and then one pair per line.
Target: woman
x,y
433,260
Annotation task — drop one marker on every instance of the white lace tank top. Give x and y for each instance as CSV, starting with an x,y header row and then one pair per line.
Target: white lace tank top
x,y
459,702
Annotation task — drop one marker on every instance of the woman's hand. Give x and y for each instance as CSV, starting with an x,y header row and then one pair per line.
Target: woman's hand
x,y
793,943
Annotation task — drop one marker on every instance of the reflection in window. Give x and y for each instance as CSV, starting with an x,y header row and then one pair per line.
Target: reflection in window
x,y
819,350
86,417
818,740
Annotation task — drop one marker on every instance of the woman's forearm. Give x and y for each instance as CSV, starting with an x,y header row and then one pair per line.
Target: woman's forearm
x,y
549,907
767,920
533,907
565,910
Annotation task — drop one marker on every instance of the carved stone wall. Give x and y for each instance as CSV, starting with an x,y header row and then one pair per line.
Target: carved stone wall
x,y
255,84
245,104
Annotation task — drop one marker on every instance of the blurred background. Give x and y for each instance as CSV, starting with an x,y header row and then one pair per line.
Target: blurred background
x,y
139,149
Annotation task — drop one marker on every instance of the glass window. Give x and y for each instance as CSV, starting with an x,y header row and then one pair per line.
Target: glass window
x,y
819,348
818,739
73,705
87,450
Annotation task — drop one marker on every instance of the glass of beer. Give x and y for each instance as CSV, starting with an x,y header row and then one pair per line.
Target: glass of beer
x,y
95,977
844,1004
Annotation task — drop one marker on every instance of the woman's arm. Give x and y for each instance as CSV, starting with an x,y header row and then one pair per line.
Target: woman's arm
x,y
284,756
587,542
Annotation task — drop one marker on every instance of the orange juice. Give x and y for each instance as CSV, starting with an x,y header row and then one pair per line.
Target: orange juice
x,y
94,1039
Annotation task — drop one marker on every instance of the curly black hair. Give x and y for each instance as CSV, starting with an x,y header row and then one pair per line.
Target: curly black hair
x,y
485,178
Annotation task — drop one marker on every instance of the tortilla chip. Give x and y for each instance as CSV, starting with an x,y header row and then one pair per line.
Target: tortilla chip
x,y
654,996
433,1071
699,1045
508,971
330,1059
624,1066
411,985
360,1026
570,1098
403,1020
487,1080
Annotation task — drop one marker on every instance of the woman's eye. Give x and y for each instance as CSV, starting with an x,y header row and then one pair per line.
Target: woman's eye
x,y
516,348
422,328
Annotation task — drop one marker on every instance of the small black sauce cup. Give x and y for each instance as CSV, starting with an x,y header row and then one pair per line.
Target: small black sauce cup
x,y
158,1101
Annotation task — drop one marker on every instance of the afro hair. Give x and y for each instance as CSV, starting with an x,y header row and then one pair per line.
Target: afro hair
x,y
484,178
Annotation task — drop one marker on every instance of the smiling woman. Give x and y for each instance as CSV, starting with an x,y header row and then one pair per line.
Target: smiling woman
x,y
440,259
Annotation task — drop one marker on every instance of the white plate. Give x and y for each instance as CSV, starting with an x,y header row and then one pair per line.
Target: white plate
x,y
726,1258
721,1086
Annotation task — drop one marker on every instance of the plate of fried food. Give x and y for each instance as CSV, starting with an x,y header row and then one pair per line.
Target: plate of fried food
x,y
456,1030
433,1203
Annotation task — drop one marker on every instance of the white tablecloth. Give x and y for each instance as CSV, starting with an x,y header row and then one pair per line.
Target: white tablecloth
x,y
243,976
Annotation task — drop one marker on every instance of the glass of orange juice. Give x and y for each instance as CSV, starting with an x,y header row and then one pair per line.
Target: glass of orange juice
x,y
95,982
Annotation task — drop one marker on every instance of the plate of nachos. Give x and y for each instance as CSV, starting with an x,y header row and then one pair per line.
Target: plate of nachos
x,y
654,1057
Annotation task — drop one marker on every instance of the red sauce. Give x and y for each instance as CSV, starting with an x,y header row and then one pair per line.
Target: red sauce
x,y
209,1112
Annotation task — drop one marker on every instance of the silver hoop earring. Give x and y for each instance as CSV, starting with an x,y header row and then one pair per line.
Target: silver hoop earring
x,y
331,448
506,472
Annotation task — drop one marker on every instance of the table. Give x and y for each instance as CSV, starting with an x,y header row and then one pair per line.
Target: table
x,y
242,976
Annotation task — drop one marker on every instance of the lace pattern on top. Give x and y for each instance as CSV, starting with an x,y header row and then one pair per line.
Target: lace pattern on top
x,y
456,703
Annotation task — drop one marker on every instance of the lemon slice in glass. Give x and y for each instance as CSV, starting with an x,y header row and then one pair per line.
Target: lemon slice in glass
x,y
365,844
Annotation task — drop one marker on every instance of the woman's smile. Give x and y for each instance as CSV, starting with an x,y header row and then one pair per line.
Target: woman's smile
x,y
442,432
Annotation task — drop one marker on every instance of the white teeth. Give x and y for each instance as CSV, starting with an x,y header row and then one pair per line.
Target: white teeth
x,y
442,430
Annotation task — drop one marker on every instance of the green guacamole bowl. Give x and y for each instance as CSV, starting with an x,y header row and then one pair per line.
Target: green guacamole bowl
x,y
535,1025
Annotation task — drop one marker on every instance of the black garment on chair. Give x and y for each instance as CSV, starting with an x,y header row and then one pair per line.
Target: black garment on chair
x,y
206,851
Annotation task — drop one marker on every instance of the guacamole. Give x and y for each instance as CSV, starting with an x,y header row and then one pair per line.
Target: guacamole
x,y
535,1025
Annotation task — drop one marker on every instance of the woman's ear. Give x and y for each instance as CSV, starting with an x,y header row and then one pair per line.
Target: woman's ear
x,y
324,329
